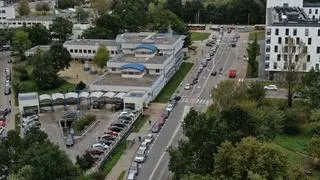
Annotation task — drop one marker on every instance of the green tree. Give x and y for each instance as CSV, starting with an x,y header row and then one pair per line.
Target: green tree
x,y
61,29
253,51
21,42
23,8
297,173
25,173
224,159
102,57
314,146
44,72
38,35
82,15
311,86
175,6
102,6
85,161
256,91
60,56
197,177
42,6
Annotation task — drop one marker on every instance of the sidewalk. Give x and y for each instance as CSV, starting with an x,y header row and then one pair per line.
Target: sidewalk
x,y
125,161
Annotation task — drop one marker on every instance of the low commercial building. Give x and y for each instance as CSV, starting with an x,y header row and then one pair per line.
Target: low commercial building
x,y
34,50
30,20
29,102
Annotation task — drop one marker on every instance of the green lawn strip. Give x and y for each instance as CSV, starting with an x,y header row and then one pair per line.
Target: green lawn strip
x,y
297,143
199,36
293,157
17,122
108,164
174,83
121,176
140,122
260,35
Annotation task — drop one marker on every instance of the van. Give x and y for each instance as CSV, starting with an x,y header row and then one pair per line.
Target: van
x,y
69,141
131,176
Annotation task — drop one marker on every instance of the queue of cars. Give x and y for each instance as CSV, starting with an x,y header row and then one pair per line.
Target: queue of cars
x,y
7,88
105,142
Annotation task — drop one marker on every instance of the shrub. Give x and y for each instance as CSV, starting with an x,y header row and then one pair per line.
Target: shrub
x,y
23,75
86,161
81,85
83,122
291,123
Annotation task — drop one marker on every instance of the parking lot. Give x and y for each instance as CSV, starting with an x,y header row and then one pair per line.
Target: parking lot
x,y
50,124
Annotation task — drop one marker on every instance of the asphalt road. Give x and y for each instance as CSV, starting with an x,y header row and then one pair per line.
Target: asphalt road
x,y
156,165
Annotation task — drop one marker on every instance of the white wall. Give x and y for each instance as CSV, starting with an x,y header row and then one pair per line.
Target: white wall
x,y
313,13
15,23
312,48
292,3
5,14
88,51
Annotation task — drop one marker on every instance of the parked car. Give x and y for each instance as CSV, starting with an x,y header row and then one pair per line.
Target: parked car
x,y
26,114
156,127
169,107
106,142
115,128
126,113
117,124
7,90
100,146
112,133
149,138
214,73
96,152
165,114
2,123
177,98
5,111
134,168
271,87
34,124
131,176
145,144
141,155
69,141
187,87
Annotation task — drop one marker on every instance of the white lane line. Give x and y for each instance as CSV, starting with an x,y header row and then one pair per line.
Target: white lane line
x,y
185,112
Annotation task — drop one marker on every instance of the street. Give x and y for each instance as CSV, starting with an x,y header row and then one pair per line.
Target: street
x,y
199,97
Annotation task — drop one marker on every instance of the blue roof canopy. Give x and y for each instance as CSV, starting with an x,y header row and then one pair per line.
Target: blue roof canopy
x,y
139,67
151,47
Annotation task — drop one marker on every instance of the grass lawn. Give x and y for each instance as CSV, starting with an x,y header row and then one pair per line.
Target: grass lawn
x,y
260,35
199,36
121,176
297,143
140,122
174,83
294,158
64,87
109,163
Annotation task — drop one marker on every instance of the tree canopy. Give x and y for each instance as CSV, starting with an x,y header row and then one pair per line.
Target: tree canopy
x,y
20,41
38,34
61,29
102,57
23,8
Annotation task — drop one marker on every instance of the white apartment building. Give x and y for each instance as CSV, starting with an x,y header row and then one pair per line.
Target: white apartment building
x,y
287,18
140,65
30,20
6,12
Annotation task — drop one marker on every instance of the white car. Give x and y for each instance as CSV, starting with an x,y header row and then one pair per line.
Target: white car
x,y
187,87
149,138
141,155
125,113
271,87
100,146
169,107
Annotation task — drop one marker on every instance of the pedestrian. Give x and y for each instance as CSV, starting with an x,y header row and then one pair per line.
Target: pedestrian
x,y
10,102
149,122
77,76
139,138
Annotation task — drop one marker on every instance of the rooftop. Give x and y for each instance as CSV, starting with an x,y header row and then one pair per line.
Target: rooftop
x,y
33,18
92,42
136,94
289,16
128,58
311,5
148,38
115,79
28,96
35,48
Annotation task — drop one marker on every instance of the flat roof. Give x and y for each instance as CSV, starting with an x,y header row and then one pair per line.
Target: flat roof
x,y
135,94
148,38
97,42
41,47
28,96
311,5
117,80
33,18
127,58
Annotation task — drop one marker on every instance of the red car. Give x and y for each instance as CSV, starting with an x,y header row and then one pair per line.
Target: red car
x,y
2,123
113,133
161,121
232,73
95,152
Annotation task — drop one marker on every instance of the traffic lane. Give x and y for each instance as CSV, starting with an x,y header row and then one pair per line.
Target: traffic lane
x,y
4,99
161,142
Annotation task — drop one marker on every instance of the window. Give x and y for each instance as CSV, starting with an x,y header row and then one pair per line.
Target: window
x,y
287,31
286,40
4,17
278,57
71,50
304,66
306,32
268,41
294,32
112,52
275,65
84,51
279,40
89,51
286,49
116,52
157,70
318,32
310,11
313,17
294,49
3,11
318,50
275,49
308,58
297,40
267,65
76,50
268,49
269,32
317,66
267,57
94,51
309,41
285,65
113,69
285,57
80,50
277,32
316,11
296,57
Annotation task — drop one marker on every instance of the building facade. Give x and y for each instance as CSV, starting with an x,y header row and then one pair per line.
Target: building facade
x,y
139,62
291,20
6,12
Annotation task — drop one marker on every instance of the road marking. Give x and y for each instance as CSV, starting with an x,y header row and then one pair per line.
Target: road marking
x,y
186,110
